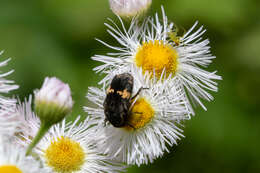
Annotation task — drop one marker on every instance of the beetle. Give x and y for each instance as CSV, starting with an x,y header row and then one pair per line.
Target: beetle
x,y
118,100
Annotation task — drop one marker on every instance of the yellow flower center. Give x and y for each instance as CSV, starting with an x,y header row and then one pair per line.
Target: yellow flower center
x,y
141,114
65,155
156,56
9,169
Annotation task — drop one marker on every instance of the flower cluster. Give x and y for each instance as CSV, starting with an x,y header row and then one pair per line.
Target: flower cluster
x,y
12,157
170,67
137,112
41,139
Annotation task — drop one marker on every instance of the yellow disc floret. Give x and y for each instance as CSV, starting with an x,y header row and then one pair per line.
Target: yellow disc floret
x,y
9,169
65,155
141,114
156,56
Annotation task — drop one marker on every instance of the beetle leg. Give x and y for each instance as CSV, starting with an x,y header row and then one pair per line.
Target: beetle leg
x,y
131,126
105,122
138,92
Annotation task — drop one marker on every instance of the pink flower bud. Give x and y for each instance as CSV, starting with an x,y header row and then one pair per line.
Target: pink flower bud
x,y
129,8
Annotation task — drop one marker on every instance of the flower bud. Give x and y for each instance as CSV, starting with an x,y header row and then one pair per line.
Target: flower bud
x,y
53,101
129,8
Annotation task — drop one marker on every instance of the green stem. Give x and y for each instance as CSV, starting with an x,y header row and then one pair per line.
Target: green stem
x,y
43,129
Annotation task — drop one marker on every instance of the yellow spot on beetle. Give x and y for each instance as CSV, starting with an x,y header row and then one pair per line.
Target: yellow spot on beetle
x,y
124,94
109,90
65,155
156,56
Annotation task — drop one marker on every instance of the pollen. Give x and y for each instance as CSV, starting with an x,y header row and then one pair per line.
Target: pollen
x,y
141,114
156,56
9,169
65,155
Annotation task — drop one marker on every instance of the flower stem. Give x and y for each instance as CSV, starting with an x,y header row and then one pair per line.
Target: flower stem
x,y
43,129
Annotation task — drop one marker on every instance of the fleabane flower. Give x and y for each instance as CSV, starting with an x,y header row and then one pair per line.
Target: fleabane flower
x,y
7,105
152,123
14,160
71,148
129,8
155,47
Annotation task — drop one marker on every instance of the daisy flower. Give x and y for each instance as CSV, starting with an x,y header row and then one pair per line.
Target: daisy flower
x,y
155,46
7,105
14,160
152,125
68,148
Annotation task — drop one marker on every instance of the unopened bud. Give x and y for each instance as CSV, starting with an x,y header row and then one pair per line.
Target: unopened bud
x,y
129,8
53,101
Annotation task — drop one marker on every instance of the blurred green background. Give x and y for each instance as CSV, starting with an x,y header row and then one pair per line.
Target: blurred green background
x,y
56,38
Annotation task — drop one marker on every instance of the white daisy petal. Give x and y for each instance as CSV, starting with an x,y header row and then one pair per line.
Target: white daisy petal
x,y
28,121
7,105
